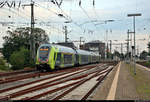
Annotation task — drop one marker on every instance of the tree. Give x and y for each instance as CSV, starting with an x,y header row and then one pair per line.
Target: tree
x,y
21,38
148,48
20,59
17,60
116,53
3,64
143,55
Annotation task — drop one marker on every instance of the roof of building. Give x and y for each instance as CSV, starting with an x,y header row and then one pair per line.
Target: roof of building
x,y
96,41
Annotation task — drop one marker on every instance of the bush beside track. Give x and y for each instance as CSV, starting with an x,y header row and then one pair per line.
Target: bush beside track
x,y
144,63
3,66
18,60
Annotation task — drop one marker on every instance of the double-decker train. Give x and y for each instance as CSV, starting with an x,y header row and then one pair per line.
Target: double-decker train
x,y
52,56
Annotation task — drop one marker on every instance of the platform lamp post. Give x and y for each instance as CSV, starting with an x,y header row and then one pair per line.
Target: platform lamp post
x,y
133,15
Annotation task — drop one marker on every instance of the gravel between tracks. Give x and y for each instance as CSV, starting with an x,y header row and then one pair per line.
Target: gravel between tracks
x,y
83,89
102,90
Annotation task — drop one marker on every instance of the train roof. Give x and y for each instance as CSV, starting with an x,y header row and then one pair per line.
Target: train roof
x,y
93,53
83,52
64,49
70,50
61,48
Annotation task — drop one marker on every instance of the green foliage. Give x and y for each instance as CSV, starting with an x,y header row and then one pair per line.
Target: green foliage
x,y
2,64
116,53
141,81
3,67
148,46
21,37
143,55
32,63
20,59
17,60
147,64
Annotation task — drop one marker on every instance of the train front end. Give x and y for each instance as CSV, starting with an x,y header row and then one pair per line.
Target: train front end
x,y
45,58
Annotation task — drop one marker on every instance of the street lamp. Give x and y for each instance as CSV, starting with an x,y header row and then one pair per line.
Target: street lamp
x,y
133,15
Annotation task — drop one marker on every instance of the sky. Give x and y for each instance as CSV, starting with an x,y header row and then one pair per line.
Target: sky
x,y
86,20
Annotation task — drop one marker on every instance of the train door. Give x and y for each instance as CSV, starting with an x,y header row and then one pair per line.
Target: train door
x,y
77,59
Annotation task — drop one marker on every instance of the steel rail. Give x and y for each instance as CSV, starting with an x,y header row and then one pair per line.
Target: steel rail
x,y
51,91
100,79
22,85
69,90
38,87
16,72
65,86
8,80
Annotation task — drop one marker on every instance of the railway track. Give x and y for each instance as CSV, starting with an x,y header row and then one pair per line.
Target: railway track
x,y
57,84
16,72
33,75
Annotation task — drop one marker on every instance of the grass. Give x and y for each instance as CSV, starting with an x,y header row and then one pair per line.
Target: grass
x,y
142,83
146,64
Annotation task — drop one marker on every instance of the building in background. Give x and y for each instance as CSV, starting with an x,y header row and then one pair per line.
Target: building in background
x,y
68,44
95,46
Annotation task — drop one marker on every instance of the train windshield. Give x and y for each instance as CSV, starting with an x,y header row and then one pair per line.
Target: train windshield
x,y
44,53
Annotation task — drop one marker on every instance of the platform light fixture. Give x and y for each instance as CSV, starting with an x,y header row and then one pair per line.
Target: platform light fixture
x,y
133,15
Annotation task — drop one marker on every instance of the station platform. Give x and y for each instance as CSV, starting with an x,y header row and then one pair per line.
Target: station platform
x,y
123,84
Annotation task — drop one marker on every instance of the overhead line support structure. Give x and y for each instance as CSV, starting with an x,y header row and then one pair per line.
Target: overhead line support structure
x,y
32,42
133,15
128,45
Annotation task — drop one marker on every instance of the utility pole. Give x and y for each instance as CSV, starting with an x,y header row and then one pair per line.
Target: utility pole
x,y
121,48
110,45
32,42
32,29
131,45
80,40
106,44
138,51
128,45
66,32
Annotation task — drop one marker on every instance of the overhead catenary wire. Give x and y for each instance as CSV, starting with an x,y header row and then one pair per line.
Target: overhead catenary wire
x,y
64,16
29,16
86,13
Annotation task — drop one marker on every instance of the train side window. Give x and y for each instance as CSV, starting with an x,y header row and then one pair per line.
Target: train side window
x,y
58,56
67,58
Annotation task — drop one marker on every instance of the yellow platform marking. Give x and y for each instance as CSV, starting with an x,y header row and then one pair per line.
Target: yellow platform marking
x,y
112,91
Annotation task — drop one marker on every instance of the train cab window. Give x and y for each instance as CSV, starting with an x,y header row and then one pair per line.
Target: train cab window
x,y
44,52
